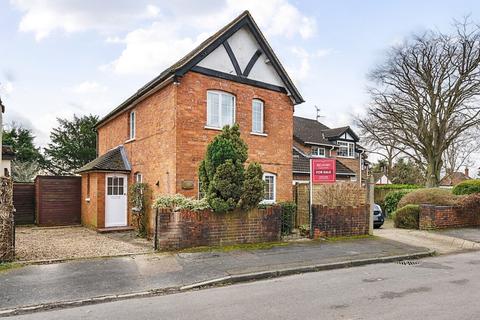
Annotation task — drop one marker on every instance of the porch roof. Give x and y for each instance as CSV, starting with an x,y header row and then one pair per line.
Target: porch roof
x,y
114,160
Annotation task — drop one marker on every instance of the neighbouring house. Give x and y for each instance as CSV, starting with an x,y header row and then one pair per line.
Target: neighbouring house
x,y
454,178
8,155
381,178
312,138
159,135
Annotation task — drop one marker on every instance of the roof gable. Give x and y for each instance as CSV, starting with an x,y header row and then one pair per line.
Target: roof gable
x,y
249,74
310,131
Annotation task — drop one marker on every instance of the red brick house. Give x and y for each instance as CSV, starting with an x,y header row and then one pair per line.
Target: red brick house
x,y
314,139
159,135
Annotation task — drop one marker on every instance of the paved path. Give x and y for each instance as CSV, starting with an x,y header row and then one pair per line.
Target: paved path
x,y
443,242
75,280
445,287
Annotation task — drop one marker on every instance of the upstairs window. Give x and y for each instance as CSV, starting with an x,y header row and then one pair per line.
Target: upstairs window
x,y
318,152
257,116
270,188
220,109
132,125
346,149
138,177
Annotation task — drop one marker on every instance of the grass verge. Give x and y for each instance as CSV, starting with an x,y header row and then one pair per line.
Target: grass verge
x,y
9,266
246,246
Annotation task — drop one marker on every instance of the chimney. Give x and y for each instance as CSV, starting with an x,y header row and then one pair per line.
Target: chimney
x,y
466,172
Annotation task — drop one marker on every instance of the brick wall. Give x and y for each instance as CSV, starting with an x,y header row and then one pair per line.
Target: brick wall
x,y
187,229
93,211
340,221
441,217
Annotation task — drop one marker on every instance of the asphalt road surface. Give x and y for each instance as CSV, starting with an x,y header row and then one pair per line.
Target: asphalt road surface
x,y
446,287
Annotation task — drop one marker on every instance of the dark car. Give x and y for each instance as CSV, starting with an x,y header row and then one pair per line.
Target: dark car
x,y
378,218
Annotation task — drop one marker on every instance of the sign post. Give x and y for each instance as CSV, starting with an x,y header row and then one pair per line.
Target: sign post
x,y
322,170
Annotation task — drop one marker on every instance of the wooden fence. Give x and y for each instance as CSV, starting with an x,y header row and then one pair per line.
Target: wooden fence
x,y
24,202
58,200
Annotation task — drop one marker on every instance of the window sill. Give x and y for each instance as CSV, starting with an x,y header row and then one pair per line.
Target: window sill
x,y
268,202
130,140
213,128
345,157
259,134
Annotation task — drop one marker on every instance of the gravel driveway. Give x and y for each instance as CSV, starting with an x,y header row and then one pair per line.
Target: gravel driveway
x,y
34,243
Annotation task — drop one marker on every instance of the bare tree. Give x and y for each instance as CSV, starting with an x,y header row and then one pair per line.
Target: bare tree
x,y
459,153
426,95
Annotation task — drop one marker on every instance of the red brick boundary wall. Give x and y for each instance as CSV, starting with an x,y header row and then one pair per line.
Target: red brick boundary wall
x,y
186,229
441,217
339,221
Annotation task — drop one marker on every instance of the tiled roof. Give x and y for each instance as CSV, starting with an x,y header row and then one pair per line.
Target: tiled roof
x,y
113,160
301,164
8,153
453,179
309,130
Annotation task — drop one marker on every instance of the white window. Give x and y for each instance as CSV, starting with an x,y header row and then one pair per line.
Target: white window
x,y
220,109
318,152
115,186
132,125
270,187
138,177
257,116
346,149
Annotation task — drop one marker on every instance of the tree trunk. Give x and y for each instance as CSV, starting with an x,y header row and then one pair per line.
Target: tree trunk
x,y
433,173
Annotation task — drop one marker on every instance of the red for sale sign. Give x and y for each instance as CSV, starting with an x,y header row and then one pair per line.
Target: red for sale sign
x,y
323,170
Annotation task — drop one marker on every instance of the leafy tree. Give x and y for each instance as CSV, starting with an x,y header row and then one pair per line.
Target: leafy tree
x,y
425,95
407,172
22,141
223,175
73,144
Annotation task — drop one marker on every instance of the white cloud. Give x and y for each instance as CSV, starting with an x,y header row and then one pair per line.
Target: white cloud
x,y
42,17
89,87
6,87
301,71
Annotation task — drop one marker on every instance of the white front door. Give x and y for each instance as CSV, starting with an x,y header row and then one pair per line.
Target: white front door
x,y
116,200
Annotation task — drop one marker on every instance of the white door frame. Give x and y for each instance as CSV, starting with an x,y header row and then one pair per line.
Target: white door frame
x,y
116,203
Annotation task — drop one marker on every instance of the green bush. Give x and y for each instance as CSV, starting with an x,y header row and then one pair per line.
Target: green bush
x,y
288,214
467,187
435,196
223,175
407,217
178,202
391,201
397,186
253,187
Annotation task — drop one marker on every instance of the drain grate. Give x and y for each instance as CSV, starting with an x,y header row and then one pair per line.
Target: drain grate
x,y
408,262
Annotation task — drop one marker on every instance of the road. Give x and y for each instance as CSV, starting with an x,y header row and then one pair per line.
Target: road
x,y
446,287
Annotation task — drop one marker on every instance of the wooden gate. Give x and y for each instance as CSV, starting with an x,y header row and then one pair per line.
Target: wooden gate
x,y
24,203
302,200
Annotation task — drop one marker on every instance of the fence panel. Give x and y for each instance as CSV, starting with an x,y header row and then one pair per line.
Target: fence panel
x,y
24,203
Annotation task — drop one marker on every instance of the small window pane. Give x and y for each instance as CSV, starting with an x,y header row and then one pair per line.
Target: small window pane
x,y
213,109
109,190
227,110
257,116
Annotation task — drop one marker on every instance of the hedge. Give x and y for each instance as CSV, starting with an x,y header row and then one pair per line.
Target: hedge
x,y
407,217
391,201
467,187
435,196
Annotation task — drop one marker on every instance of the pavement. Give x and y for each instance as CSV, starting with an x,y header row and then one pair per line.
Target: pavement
x,y
79,282
444,287
442,242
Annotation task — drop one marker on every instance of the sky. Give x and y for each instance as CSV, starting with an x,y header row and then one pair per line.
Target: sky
x,y
60,58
